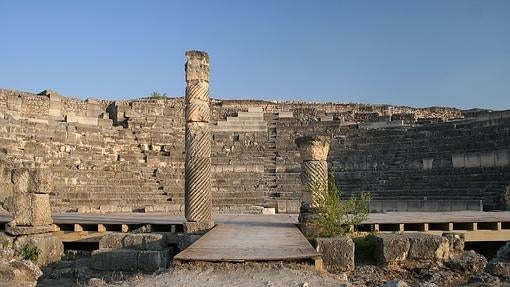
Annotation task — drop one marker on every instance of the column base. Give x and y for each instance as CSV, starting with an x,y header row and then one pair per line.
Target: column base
x,y
308,223
197,227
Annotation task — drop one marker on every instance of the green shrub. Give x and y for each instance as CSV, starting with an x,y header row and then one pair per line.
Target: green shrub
x,y
158,96
337,216
30,252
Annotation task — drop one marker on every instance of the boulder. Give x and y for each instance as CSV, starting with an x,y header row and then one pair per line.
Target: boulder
x,y
427,246
337,253
391,248
503,253
500,264
468,262
498,268
19,273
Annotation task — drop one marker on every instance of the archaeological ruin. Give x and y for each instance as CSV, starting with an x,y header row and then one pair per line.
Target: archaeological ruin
x,y
197,158
129,155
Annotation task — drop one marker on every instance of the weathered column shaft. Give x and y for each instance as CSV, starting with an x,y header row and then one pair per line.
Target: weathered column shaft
x,y
198,199
314,170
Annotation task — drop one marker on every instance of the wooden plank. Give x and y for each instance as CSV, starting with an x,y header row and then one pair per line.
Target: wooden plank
x,y
250,242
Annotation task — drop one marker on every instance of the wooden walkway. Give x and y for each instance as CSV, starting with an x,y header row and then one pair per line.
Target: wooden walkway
x,y
250,241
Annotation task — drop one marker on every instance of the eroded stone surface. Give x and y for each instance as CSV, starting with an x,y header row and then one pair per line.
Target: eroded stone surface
x,y
51,247
313,147
427,246
337,253
391,248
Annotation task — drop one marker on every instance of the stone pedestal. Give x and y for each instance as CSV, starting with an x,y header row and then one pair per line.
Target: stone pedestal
x,y
314,175
198,199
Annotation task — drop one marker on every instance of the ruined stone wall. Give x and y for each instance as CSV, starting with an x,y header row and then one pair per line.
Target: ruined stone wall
x,y
109,156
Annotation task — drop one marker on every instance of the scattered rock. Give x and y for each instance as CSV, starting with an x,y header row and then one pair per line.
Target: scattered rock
x,y
456,241
483,279
498,268
467,262
96,282
500,264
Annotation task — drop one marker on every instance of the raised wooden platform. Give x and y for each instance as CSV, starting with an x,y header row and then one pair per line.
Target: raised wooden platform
x,y
476,225
257,241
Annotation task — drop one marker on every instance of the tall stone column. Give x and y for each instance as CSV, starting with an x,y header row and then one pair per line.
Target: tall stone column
x,y
314,175
198,199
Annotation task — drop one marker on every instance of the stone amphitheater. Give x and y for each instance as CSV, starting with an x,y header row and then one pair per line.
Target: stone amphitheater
x,y
128,156
196,156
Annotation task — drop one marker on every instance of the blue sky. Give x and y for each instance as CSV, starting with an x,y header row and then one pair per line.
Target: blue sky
x,y
417,53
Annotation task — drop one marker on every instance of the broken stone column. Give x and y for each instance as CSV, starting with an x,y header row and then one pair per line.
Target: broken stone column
x,y
198,199
32,222
314,175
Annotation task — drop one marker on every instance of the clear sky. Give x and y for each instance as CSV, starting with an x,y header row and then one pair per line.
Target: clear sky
x,y
417,53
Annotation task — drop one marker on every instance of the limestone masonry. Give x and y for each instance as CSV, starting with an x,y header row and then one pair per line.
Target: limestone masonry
x,y
128,156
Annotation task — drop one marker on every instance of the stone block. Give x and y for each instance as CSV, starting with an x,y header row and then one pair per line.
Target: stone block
x,y
255,110
41,210
92,121
51,247
391,248
166,256
337,253
427,163
427,246
185,240
20,179
5,173
268,211
112,241
502,158
487,159
40,181
293,206
458,160
114,260
282,206
133,241
472,160
22,209
154,241
149,260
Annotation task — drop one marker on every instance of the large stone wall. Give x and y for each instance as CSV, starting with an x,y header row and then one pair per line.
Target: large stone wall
x,y
109,156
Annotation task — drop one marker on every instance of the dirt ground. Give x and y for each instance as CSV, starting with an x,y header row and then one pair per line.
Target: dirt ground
x,y
255,274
